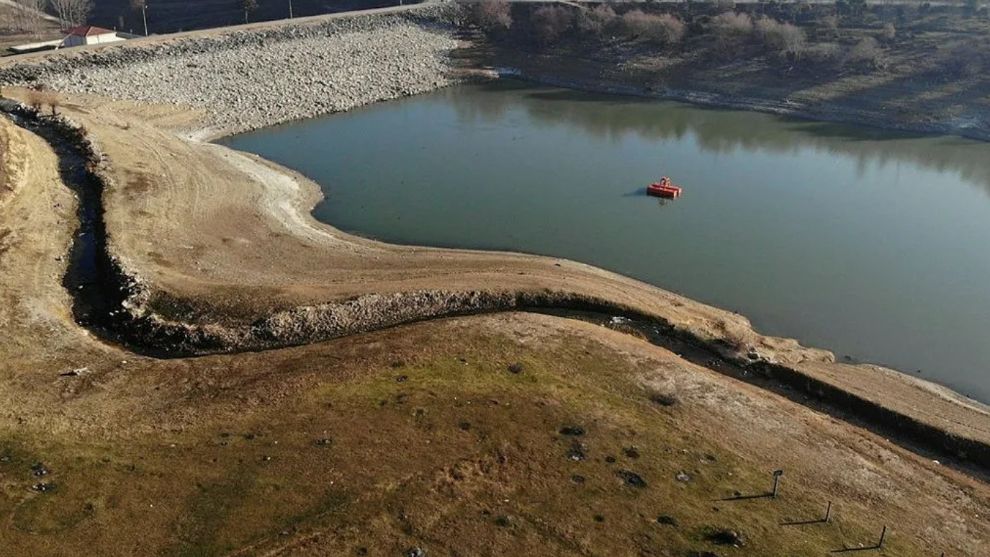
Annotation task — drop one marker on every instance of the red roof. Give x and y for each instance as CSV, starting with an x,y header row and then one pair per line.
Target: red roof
x,y
88,31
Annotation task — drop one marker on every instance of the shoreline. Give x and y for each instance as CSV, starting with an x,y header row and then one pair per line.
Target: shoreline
x,y
350,304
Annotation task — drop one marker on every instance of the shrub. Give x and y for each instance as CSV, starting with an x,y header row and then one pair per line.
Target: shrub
x,y
866,54
731,27
550,22
888,33
778,37
822,54
661,29
596,20
492,16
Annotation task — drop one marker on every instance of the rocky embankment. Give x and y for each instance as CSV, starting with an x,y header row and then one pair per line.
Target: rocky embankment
x,y
252,78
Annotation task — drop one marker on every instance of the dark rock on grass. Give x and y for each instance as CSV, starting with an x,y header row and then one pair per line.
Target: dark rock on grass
x,y
39,470
725,536
577,452
631,479
401,379
610,459
572,430
666,520
5,458
464,426
599,518
43,487
323,442
663,399
578,479
631,452
516,368
415,552
503,521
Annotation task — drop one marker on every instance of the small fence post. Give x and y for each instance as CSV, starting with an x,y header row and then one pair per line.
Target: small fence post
x,y
883,534
828,512
776,483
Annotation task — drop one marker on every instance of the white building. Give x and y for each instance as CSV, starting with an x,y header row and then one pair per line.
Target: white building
x,y
87,34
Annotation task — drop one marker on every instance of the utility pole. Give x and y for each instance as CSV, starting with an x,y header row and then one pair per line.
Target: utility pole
x,y
144,17
290,9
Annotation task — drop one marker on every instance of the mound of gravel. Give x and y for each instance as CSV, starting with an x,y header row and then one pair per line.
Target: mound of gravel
x,y
254,78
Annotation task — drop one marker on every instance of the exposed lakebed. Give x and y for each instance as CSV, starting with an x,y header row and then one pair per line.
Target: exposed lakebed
x,y
870,243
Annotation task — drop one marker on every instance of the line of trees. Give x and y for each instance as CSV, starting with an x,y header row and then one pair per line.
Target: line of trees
x,y
727,33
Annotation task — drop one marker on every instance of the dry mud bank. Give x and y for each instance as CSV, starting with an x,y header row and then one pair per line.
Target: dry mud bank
x,y
216,250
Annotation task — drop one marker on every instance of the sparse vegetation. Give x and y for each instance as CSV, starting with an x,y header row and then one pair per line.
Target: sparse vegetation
x,y
491,16
72,12
656,28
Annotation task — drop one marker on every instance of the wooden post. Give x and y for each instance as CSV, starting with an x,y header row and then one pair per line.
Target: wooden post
x,y
883,534
828,512
776,483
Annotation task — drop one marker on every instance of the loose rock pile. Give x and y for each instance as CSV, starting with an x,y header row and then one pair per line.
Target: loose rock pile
x,y
255,78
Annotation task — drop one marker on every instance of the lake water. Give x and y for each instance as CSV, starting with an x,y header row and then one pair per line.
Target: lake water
x,y
873,244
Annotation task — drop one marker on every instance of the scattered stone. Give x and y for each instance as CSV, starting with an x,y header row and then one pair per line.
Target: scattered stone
x,y
74,372
401,378
516,368
610,459
5,458
573,430
599,518
578,479
502,521
726,537
577,452
632,479
361,551
266,458
631,452
250,79
682,476
464,426
663,399
323,442
702,554
415,552
40,470
666,520
43,487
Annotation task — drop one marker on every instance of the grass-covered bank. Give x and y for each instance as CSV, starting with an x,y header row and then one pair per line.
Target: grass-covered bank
x,y
472,436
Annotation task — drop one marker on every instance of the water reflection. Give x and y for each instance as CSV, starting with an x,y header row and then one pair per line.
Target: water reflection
x,y
725,131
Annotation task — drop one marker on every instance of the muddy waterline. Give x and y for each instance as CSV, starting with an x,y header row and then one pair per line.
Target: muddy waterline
x,y
869,243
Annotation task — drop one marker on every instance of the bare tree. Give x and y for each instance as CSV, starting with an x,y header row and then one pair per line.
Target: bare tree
x,y
778,37
72,12
142,6
660,29
595,21
551,22
492,16
249,7
30,17
731,28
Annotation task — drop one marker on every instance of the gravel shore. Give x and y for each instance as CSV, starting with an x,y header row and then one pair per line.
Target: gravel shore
x,y
255,78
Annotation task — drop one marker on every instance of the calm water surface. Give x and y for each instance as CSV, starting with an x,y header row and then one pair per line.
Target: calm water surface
x,y
868,243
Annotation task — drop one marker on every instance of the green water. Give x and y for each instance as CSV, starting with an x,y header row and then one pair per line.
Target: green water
x,y
869,243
